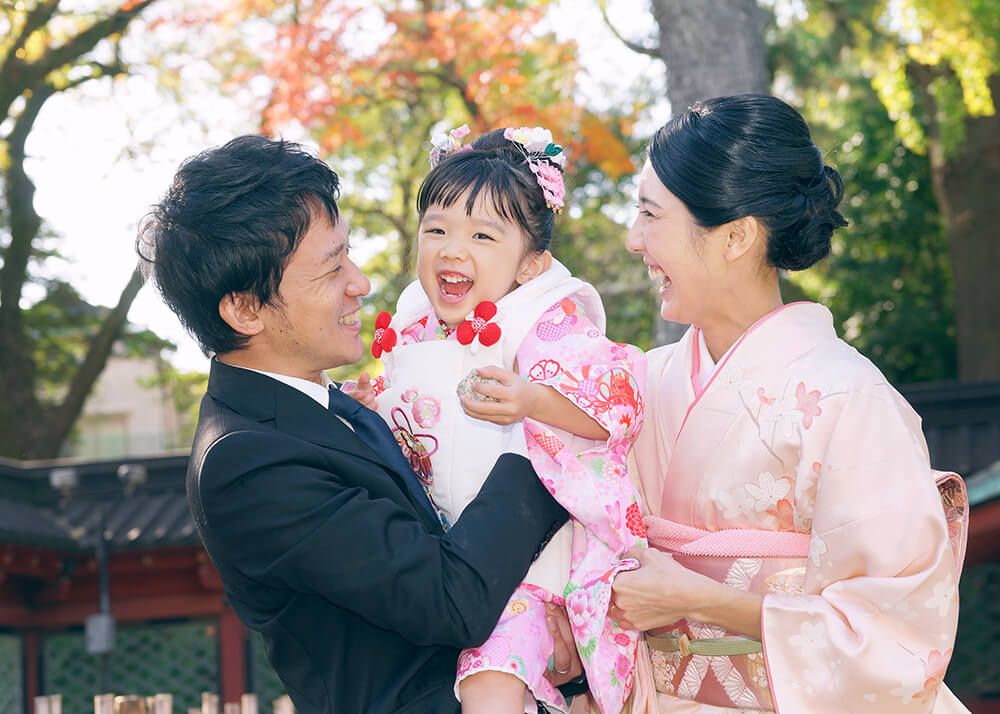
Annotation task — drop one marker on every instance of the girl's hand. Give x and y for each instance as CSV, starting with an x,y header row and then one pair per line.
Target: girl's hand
x,y
513,398
362,391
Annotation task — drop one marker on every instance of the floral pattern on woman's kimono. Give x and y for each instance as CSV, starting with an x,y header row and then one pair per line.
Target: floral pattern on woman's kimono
x,y
799,440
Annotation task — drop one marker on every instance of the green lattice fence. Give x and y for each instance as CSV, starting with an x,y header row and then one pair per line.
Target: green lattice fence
x,y
265,684
177,657
975,667
11,675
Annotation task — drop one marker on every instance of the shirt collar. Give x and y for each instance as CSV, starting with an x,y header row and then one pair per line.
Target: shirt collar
x,y
317,392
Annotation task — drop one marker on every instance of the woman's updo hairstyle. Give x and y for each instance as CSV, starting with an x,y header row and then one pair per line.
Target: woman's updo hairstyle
x,y
495,165
752,155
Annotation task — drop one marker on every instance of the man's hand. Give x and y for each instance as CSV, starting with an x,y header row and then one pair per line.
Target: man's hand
x,y
361,390
510,401
566,660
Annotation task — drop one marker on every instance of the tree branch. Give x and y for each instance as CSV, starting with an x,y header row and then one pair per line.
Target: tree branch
x,y
37,17
397,222
58,427
448,76
86,40
17,77
634,46
20,193
24,220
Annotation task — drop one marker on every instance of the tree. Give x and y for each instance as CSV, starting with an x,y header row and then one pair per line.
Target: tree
x,y
711,48
45,50
372,105
907,90
935,65
888,280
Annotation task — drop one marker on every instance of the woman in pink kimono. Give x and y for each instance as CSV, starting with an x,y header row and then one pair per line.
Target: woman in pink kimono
x,y
805,557
492,303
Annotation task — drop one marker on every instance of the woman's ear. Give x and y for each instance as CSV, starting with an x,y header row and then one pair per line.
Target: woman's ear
x,y
241,312
533,265
745,235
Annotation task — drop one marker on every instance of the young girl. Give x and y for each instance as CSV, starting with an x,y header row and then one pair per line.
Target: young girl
x,y
496,347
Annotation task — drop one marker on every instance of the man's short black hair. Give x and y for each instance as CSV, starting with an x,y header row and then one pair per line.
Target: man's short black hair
x,y
229,224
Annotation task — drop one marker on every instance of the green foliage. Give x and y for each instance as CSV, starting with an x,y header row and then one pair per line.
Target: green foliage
x,y
888,281
930,61
58,331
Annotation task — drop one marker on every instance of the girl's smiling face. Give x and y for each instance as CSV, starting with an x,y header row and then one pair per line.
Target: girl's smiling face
x,y
681,256
467,257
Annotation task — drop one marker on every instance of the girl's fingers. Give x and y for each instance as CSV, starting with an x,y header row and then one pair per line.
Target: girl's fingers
x,y
498,373
489,389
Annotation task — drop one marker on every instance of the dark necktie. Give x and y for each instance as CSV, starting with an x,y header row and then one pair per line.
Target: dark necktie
x,y
373,431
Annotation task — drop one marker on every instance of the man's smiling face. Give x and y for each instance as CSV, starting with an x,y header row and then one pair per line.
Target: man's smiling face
x,y
313,323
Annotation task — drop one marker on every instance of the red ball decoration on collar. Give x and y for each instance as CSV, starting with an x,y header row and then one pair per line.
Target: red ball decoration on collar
x,y
385,337
479,326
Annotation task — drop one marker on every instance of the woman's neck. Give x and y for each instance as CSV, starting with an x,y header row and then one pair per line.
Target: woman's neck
x,y
728,323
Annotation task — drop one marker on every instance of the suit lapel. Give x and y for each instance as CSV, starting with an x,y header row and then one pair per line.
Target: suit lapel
x,y
262,398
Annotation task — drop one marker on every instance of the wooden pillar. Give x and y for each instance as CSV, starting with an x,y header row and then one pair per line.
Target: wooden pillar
x,y
31,653
232,655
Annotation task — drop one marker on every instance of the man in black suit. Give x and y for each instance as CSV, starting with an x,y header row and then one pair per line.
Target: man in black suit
x,y
324,540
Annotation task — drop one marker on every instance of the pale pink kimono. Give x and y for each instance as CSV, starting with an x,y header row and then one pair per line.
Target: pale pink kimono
x,y
798,472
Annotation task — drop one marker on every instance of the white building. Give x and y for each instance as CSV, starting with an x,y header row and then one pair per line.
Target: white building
x,y
127,413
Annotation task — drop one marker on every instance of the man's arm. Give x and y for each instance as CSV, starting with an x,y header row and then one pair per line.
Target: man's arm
x,y
287,524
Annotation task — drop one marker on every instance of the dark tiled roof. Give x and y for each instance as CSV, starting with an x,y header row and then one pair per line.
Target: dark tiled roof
x,y
154,515
20,522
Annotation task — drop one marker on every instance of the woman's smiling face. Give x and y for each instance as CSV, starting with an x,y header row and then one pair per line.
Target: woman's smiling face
x,y
681,260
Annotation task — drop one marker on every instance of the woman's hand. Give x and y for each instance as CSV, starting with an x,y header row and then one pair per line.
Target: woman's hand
x,y
565,658
662,591
513,398
658,594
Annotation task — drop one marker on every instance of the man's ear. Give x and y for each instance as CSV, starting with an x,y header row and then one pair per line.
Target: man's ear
x,y
241,311
533,265
743,237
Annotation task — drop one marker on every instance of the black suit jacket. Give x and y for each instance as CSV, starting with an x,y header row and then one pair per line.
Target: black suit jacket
x,y
363,602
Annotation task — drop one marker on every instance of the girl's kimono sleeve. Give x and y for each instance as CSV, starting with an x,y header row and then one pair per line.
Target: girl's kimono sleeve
x,y
566,351
874,628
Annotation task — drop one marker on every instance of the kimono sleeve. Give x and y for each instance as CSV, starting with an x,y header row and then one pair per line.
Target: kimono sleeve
x,y
874,628
566,351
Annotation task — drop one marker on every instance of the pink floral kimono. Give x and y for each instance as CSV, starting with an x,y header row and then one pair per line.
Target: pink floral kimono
x,y
551,330
793,469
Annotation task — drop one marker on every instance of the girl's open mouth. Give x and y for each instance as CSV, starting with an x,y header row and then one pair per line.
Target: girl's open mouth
x,y
453,286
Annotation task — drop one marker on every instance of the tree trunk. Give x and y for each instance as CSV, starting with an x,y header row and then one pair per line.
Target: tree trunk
x,y
29,428
711,48
965,185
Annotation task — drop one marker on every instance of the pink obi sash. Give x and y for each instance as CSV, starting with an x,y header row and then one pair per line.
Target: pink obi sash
x,y
683,539
688,540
